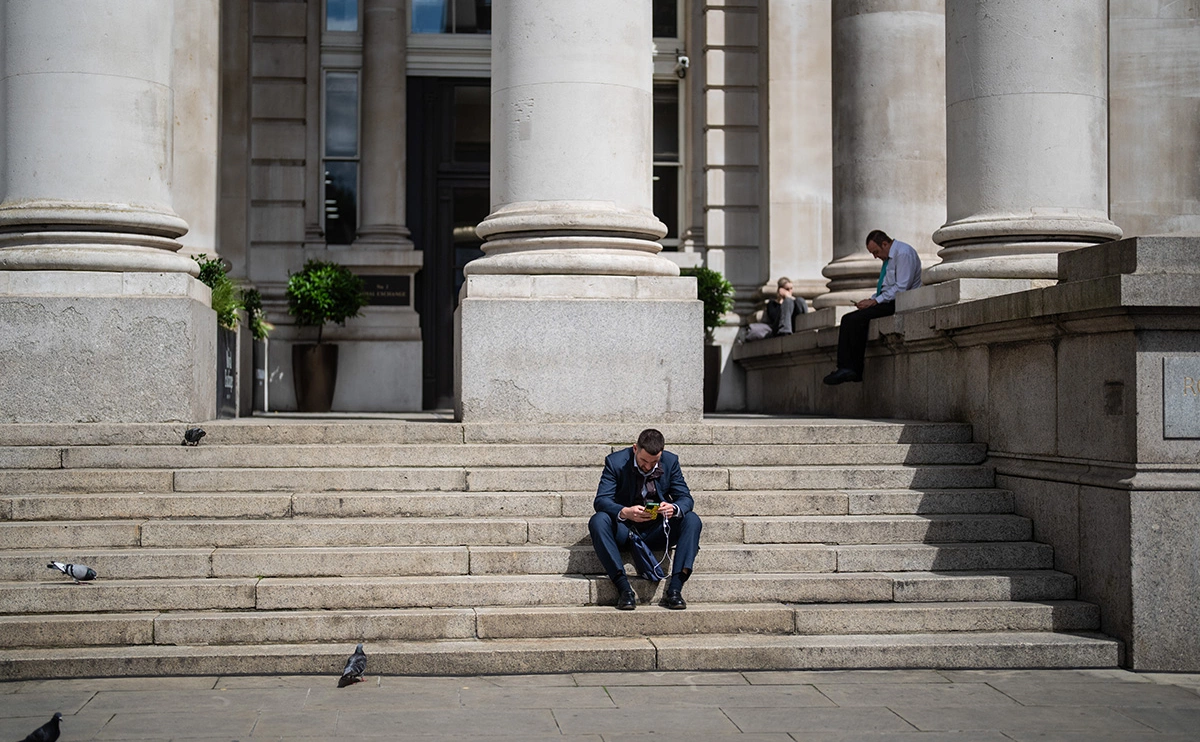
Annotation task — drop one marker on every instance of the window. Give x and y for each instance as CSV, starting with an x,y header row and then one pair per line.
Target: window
x,y
340,156
452,16
667,162
341,15
666,18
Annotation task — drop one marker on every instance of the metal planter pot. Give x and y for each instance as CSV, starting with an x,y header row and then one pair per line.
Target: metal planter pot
x,y
314,375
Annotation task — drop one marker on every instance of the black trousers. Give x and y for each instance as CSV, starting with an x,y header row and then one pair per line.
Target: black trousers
x,y
609,535
852,338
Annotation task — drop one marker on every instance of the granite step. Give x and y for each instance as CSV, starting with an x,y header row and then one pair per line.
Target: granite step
x,y
533,622
887,529
175,505
299,431
581,654
275,455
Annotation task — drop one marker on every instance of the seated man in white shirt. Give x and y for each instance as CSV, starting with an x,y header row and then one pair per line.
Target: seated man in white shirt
x,y
901,272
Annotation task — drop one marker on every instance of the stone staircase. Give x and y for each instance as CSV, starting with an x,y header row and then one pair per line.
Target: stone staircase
x,y
275,545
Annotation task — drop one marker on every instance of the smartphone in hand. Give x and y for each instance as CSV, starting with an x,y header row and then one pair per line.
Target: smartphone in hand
x,y
652,509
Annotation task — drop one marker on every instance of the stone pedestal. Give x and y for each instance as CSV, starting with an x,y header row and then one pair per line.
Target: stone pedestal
x,y
571,314
102,318
1027,137
568,349
889,143
82,346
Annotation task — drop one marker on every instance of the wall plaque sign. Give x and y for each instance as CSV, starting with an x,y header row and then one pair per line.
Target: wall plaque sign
x,y
1181,397
388,291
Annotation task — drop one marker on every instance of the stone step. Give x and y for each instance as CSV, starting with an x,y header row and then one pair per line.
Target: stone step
x,y
64,596
407,561
426,455
325,532
117,505
886,529
720,430
464,591
580,654
533,622
480,479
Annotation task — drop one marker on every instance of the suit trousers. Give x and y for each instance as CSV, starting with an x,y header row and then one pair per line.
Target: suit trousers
x,y
852,337
609,534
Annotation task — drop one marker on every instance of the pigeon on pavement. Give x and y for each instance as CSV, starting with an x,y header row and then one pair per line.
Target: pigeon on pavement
x,y
47,732
78,572
192,436
355,667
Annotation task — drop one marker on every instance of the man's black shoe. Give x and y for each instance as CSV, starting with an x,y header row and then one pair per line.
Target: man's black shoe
x,y
841,376
674,600
627,601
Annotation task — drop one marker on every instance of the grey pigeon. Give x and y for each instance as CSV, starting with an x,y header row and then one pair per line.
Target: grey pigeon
x,y
47,732
355,667
192,436
78,572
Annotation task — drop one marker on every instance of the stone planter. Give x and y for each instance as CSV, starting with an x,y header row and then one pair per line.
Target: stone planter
x,y
314,375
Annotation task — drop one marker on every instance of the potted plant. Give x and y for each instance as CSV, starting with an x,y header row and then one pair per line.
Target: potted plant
x,y
227,303
322,292
717,295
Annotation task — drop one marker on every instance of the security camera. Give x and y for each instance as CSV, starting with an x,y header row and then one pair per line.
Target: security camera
x,y
681,65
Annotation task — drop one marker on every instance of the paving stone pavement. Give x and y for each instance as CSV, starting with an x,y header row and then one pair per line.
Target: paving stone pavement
x,y
824,706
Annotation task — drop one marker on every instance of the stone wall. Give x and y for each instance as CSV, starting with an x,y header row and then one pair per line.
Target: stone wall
x,y
1068,385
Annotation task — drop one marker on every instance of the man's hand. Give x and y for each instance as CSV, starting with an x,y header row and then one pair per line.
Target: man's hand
x,y
866,303
666,510
783,293
637,514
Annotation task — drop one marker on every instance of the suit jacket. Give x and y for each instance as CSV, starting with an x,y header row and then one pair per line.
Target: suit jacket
x,y
621,485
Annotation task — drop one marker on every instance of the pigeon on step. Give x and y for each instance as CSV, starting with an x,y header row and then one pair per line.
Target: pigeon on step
x,y
78,572
192,436
355,667
47,732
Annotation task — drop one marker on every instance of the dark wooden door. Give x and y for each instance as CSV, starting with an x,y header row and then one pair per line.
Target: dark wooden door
x,y
448,194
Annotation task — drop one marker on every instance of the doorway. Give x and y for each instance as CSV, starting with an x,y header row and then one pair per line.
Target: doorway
x,y
449,143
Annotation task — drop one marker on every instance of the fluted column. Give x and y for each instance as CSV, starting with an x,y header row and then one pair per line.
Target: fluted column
x,y
889,148
385,37
572,141
571,314
86,131
1027,136
195,76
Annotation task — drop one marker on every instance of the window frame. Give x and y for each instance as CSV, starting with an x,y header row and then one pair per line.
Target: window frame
x,y
325,157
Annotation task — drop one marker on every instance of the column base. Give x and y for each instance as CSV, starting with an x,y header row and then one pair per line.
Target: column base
x,y
851,279
557,349
106,347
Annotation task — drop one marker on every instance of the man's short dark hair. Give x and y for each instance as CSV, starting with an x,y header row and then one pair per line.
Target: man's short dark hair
x,y
878,236
651,441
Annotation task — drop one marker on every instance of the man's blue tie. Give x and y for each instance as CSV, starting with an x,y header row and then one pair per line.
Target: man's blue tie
x,y
882,273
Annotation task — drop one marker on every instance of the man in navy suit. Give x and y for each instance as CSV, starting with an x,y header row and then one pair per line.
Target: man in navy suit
x,y
633,477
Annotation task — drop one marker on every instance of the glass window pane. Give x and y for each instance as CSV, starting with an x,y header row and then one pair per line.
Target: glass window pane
x,y
666,122
472,123
666,198
429,16
341,202
341,15
341,114
666,14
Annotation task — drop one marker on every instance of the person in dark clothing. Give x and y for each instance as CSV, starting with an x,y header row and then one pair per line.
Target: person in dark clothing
x,y
633,479
781,313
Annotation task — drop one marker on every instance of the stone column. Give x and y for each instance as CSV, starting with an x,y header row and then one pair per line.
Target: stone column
x,y
385,38
889,146
102,321
195,79
799,126
1027,139
571,314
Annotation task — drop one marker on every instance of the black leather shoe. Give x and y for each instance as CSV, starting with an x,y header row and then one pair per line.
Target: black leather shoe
x,y
674,600
627,601
841,376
